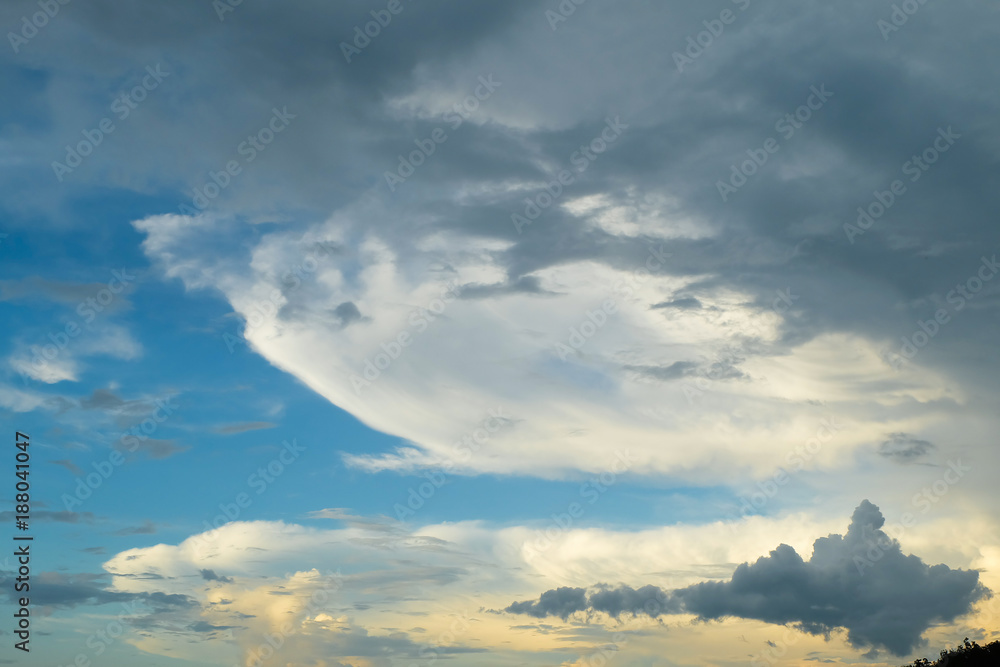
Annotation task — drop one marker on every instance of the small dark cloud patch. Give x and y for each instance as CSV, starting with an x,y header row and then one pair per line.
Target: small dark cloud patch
x,y
347,313
904,448
725,369
147,528
68,293
202,626
154,448
69,465
165,600
674,371
717,371
243,427
683,303
210,575
56,517
103,399
127,413
523,285
559,602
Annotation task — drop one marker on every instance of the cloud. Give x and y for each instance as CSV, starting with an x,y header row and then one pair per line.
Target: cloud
x,y
69,465
561,602
681,303
155,448
523,285
264,591
618,377
719,269
59,369
381,524
113,341
202,626
51,363
676,370
21,401
904,448
68,293
243,427
471,355
648,599
346,313
614,601
58,517
147,528
106,400
53,589
860,582
128,412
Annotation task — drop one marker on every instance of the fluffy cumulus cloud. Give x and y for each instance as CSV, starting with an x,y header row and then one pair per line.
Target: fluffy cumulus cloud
x,y
243,578
861,582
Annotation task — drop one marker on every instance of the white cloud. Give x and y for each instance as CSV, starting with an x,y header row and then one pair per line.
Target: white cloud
x,y
52,363
50,371
590,365
20,401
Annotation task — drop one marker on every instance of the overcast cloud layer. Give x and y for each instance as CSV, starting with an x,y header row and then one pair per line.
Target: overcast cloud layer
x,y
571,308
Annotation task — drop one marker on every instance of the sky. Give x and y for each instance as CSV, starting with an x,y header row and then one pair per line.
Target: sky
x,y
573,333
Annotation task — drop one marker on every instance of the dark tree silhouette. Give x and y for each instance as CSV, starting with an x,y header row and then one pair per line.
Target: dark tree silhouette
x,y
967,654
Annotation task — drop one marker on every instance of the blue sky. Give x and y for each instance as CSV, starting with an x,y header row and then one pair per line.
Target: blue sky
x,y
513,331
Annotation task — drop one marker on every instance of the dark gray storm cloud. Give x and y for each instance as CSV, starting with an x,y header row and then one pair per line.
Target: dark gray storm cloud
x,y
861,582
649,600
784,228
